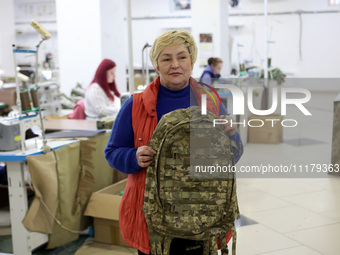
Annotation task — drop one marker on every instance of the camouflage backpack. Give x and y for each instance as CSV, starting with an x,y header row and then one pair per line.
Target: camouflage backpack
x,y
183,201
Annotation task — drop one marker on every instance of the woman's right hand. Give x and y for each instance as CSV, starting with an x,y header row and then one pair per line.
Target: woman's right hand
x,y
145,156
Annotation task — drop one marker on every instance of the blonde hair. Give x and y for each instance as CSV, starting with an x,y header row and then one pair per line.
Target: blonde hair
x,y
171,38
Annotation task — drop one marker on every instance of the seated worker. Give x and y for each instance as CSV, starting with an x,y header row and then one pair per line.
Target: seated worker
x,y
212,71
102,96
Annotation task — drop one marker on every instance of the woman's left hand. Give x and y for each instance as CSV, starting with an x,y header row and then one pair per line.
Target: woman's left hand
x,y
230,127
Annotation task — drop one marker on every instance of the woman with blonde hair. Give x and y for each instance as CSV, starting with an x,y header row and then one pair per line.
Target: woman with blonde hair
x,y
173,55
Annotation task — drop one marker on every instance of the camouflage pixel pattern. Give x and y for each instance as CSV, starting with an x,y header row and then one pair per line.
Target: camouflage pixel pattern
x,y
179,202
336,134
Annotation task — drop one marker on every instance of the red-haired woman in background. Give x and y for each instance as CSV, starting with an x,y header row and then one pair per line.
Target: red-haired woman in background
x,y
102,96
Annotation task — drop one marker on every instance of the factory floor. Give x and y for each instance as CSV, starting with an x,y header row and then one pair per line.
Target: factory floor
x,y
287,217
281,216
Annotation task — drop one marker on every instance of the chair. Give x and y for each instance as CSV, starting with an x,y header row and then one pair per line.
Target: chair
x,y
78,111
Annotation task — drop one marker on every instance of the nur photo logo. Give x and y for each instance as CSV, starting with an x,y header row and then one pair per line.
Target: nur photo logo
x,y
239,103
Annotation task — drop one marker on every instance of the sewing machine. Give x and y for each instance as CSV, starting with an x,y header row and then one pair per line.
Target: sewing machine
x,y
13,130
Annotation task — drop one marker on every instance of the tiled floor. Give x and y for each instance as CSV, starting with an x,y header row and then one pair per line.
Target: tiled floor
x,y
104,249
293,216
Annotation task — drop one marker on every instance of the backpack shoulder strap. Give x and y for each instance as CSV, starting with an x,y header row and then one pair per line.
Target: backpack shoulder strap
x,y
213,104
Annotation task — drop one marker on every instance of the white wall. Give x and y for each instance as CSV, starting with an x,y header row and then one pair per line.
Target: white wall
x,y
7,37
151,18
89,31
320,39
114,37
44,12
151,8
79,47
250,6
145,27
146,31
319,44
212,20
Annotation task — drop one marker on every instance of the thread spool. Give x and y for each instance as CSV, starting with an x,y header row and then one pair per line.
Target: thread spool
x,y
34,97
25,100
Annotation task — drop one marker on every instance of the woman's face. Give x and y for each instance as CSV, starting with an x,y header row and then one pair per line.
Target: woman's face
x,y
217,69
174,67
111,75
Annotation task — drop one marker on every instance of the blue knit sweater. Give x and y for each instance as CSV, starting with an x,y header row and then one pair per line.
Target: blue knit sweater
x,y
120,152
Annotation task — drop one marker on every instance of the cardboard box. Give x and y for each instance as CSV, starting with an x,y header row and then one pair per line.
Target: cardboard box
x,y
138,80
271,132
103,206
258,91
